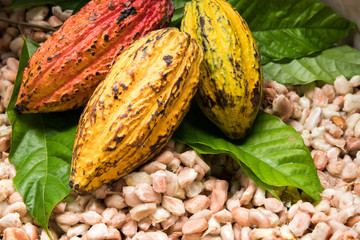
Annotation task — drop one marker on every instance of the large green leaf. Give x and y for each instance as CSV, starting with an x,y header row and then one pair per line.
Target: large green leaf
x,y
292,28
41,149
64,4
273,152
325,66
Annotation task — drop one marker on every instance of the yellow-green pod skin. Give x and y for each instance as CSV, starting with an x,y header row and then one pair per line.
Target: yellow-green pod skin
x,y
230,86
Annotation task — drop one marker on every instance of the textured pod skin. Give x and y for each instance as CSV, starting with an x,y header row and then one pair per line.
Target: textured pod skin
x,y
230,84
133,113
65,70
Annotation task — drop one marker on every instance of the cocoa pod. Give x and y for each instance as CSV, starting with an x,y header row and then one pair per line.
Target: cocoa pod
x,y
134,112
230,84
63,73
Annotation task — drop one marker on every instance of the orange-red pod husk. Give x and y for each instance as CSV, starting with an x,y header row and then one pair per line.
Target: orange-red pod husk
x,y
63,73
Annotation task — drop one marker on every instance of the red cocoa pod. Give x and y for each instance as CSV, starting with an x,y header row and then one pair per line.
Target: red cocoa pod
x,y
63,73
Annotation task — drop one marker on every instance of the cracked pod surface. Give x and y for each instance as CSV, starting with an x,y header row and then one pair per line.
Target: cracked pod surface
x,y
63,73
134,112
230,84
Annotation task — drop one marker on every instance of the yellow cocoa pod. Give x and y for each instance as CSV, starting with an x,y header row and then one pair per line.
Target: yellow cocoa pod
x,y
230,84
134,112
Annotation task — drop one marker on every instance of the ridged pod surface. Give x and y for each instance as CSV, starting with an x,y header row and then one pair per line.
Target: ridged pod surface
x,y
134,112
63,73
230,84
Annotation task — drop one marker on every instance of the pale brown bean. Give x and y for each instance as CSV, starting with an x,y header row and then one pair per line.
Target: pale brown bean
x,y
90,217
170,221
135,178
278,87
338,142
17,207
200,162
37,13
93,205
259,219
130,197
38,37
329,92
194,189
223,216
188,158
173,205
194,226
197,203
159,181
115,201
300,223
339,121
10,220
322,231
68,218
16,44
59,208
227,232
248,193
319,98
335,168
14,233
117,220
30,230
357,188
172,183
273,205
245,233
79,229
8,74
352,144
241,216
213,228
282,107
342,86
97,232
320,159
5,42
143,210
144,224
313,119
186,177
194,236
158,235
153,167
113,234
178,225
344,214
54,21
219,195
319,217
349,172
146,193
261,233
353,220
129,229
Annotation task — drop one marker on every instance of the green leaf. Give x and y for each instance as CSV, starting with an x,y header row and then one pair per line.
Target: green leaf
x,y
292,28
41,149
274,153
325,66
64,4
178,12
